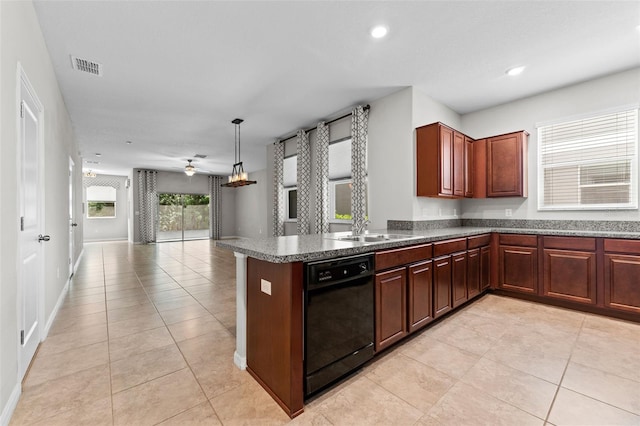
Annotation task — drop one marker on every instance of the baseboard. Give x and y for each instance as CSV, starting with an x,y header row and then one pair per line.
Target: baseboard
x,y
12,403
100,240
240,361
55,310
75,267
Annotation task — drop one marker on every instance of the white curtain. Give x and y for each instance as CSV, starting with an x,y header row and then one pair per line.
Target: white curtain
x,y
214,206
278,190
359,130
147,205
304,181
321,224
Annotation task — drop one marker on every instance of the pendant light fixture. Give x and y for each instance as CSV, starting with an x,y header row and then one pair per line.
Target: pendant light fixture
x,y
189,169
238,176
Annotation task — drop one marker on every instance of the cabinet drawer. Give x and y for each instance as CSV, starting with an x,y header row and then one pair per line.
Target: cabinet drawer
x,y
478,241
402,256
622,246
570,243
518,240
450,246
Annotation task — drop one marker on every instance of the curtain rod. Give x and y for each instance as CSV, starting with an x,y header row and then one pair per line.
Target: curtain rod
x,y
365,108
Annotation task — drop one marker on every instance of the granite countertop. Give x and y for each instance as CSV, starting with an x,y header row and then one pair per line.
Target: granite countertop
x,y
296,248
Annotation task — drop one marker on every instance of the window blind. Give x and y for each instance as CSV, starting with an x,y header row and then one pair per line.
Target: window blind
x,y
340,159
290,171
589,163
101,193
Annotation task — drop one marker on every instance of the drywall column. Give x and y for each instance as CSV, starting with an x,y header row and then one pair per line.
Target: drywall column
x,y
240,355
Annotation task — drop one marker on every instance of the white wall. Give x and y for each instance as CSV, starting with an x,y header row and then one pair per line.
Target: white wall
x,y
106,229
251,207
21,41
585,98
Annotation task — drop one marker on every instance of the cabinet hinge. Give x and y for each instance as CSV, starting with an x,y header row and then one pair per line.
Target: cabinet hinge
x,y
22,337
22,223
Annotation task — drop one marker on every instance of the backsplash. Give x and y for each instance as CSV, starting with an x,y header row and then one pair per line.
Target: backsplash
x,y
422,225
579,225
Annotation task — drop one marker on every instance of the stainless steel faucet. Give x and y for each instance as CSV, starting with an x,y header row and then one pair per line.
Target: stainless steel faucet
x,y
357,230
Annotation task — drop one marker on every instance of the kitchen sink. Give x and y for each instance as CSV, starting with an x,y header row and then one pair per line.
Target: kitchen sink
x,y
373,238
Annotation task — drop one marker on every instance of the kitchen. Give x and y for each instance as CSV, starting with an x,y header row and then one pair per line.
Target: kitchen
x,y
393,118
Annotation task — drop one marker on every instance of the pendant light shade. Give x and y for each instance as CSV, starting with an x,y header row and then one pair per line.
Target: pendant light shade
x,y
238,176
190,169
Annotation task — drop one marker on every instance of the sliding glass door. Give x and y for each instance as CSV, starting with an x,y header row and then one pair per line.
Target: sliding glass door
x,y
183,217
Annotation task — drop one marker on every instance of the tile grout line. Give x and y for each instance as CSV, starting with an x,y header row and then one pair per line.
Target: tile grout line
x,y
106,313
564,371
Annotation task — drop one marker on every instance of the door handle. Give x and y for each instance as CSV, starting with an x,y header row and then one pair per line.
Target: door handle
x,y
43,238
74,224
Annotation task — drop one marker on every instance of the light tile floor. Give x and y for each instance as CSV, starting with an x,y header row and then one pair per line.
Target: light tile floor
x,y
146,336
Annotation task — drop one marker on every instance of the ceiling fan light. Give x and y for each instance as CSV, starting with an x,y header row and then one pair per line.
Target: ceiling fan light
x,y
189,169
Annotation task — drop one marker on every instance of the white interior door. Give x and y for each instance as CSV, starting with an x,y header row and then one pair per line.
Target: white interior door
x,y
31,253
72,222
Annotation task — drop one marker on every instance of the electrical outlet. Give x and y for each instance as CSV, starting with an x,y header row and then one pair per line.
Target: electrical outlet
x,y
455,213
265,286
508,212
58,273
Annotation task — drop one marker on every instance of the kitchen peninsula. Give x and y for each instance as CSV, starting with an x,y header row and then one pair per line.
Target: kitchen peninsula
x,y
421,277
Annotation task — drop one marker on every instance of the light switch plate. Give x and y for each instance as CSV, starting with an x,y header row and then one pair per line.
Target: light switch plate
x,y
508,212
265,286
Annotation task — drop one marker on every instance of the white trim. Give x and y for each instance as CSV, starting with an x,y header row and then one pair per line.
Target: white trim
x,y
75,267
11,404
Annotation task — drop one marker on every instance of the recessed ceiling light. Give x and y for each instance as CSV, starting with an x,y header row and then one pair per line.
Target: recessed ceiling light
x,y
98,154
128,142
511,72
379,31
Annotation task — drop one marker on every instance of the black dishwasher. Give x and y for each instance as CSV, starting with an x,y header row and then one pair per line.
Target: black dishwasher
x,y
338,319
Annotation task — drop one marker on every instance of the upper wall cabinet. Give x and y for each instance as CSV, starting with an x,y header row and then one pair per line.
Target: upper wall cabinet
x,y
440,153
452,165
507,165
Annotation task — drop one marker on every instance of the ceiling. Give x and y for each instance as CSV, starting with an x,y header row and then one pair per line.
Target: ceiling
x,y
175,73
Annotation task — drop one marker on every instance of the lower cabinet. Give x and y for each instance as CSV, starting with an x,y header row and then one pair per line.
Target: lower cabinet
x,y
485,268
420,286
391,305
459,278
518,263
473,273
569,269
441,286
622,282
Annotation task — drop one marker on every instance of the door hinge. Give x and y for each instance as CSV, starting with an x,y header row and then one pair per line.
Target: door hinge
x,y
22,223
21,109
22,337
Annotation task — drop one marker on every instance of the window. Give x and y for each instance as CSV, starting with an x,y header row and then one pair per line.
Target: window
x,y
101,202
340,181
589,164
290,180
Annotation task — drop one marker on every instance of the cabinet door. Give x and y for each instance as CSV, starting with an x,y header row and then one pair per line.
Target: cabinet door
x,y
518,269
446,161
506,166
391,305
459,278
622,282
485,268
458,165
473,273
441,286
469,165
420,288
570,275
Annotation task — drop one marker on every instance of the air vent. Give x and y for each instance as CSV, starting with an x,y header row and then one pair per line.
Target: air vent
x,y
199,156
91,162
85,65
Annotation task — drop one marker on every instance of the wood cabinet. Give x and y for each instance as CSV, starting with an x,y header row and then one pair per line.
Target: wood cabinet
x,y
469,166
420,289
391,305
440,160
622,275
518,263
458,279
507,165
479,169
485,268
441,286
570,269
473,273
